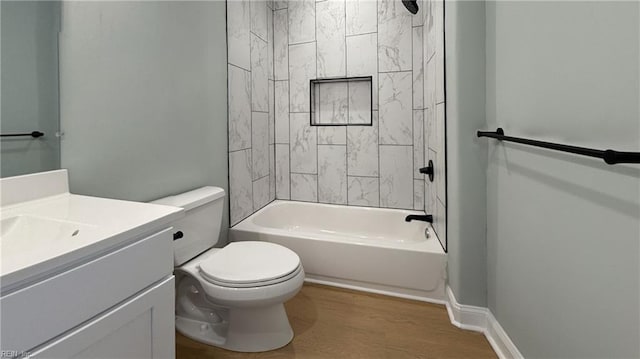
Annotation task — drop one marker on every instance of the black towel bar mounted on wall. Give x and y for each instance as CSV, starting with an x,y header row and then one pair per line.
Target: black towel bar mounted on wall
x,y
34,134
609,156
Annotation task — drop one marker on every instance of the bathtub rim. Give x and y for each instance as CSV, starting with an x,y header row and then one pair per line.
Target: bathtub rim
x,y
430,245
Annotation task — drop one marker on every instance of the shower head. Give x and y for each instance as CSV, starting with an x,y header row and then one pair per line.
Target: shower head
x,y
411,5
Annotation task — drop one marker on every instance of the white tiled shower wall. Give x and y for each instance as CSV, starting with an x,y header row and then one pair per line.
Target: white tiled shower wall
x,y
374,166
251,107
434,112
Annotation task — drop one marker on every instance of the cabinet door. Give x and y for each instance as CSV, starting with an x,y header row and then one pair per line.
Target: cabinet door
x,y
140,327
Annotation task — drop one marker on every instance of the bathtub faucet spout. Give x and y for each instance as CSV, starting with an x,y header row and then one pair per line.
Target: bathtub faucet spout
x,y
426,218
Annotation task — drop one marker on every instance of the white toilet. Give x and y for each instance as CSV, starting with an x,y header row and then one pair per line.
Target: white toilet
x,y
229,297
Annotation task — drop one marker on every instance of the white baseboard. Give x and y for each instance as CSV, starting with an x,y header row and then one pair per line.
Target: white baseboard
x,y
499,339
481,319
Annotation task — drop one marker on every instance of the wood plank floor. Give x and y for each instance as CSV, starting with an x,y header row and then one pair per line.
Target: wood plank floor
x,y
332,323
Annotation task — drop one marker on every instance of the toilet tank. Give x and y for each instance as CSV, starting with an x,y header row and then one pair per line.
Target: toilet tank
x,y
201,224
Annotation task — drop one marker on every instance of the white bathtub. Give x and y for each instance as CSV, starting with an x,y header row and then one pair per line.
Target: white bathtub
x,y
370,249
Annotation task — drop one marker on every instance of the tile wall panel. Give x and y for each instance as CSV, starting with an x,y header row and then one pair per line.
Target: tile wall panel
x,y
396,176
332,174
251,99
330,34
396,115
302,21
394,36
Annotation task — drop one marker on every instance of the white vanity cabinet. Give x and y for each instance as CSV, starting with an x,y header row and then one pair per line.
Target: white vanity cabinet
x,y
117,305
81,276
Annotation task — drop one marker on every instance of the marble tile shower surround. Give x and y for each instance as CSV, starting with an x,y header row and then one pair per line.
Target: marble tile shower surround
x,y
373,165
434,111
276,47
251,99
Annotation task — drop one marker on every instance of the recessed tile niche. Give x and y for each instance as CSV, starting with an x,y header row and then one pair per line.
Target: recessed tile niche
x,y
341,101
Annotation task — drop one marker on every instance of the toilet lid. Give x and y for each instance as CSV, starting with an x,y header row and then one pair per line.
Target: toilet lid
x,y
250,262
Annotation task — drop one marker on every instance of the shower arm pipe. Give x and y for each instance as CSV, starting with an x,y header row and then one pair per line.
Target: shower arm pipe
x,y
610,157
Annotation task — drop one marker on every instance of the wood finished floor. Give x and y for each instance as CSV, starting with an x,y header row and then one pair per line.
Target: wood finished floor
x,y
332,323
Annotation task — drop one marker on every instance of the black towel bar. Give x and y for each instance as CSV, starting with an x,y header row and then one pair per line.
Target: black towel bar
x,y
34,134
609,156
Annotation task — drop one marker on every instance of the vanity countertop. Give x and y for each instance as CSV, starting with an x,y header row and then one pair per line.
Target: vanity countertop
x,y
64,230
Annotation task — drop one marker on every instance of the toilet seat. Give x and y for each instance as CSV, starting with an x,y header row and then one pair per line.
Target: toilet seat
x,y
250,264
254,284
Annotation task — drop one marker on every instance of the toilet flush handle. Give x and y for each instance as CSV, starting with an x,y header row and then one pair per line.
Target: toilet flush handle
x,y
178,235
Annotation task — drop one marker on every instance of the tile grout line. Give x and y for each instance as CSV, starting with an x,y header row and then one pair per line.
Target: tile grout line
x,y
251,118
238,67
378,89
289,98
399,71
315,34
413,127
346,130
273,86
359,34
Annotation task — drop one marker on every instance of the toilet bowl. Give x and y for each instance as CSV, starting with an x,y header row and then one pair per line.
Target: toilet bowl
x,y
230,297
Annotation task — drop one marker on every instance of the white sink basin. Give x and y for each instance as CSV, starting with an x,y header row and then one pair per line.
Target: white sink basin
x,y
38,230
38,234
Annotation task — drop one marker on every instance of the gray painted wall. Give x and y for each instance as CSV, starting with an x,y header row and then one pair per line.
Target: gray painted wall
x,y
143,97
563,231
466,155
29,86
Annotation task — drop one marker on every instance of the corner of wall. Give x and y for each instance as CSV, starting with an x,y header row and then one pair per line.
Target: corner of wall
x,y
480,319
466,157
